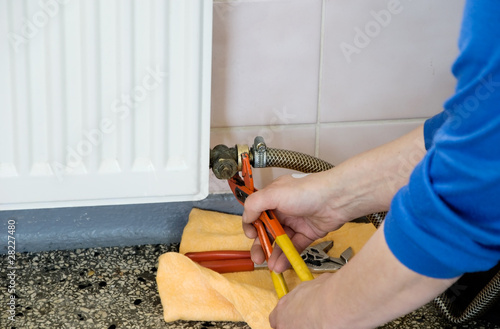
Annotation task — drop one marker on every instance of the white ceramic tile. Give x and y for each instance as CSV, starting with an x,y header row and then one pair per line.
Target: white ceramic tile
x,y
296,138
402,67
338,142
265,62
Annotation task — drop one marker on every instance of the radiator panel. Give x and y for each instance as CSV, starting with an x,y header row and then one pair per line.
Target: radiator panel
x,y
104,102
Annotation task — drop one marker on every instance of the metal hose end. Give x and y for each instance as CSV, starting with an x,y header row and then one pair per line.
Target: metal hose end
x,y
259,151
226,161
264,156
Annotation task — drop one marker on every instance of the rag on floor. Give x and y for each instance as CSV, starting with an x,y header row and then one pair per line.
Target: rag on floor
x,y
189,291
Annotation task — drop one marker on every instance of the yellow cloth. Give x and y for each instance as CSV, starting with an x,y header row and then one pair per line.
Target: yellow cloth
x,y
191,292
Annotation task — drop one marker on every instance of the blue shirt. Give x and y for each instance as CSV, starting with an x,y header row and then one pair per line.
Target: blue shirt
x,y
446,221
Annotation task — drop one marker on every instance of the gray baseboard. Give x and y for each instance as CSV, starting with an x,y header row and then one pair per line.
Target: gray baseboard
x,y
105,226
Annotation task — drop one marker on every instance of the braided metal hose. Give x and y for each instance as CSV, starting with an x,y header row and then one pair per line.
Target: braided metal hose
x,y
295,160
481,303
377,218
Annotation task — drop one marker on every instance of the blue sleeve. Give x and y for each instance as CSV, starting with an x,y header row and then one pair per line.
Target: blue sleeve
x,y
431,126
446,221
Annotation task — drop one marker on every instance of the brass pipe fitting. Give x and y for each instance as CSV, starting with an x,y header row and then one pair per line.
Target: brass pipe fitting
x,y
223,161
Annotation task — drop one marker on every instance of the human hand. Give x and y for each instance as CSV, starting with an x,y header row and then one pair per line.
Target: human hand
x,y
302,307
303,206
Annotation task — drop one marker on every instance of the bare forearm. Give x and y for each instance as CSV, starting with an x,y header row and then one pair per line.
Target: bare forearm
x,y
370,290
375,288
367,182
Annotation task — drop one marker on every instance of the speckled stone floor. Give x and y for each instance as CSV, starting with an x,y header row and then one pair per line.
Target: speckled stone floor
x,y
114,288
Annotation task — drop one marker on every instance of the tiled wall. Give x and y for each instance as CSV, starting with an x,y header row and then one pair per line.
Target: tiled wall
x,y
330,78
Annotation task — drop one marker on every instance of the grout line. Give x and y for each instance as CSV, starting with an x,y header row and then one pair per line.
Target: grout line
x,y
328,124
289,125
373,122
320,79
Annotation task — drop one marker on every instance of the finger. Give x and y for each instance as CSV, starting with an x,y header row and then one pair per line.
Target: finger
x,y
278,261
273,317
249,230
256,252
301,242
256,203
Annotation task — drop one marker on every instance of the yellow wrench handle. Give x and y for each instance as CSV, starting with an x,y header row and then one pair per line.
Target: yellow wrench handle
x,y
279,284
294,258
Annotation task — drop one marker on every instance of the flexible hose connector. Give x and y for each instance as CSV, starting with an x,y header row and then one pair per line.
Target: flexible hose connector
x,y
481,303
295,161
262,157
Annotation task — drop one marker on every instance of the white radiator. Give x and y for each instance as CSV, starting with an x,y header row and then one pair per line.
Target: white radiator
x,y
104,102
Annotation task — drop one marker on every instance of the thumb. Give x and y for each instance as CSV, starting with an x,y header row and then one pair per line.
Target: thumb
x,y
255,204
273,317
